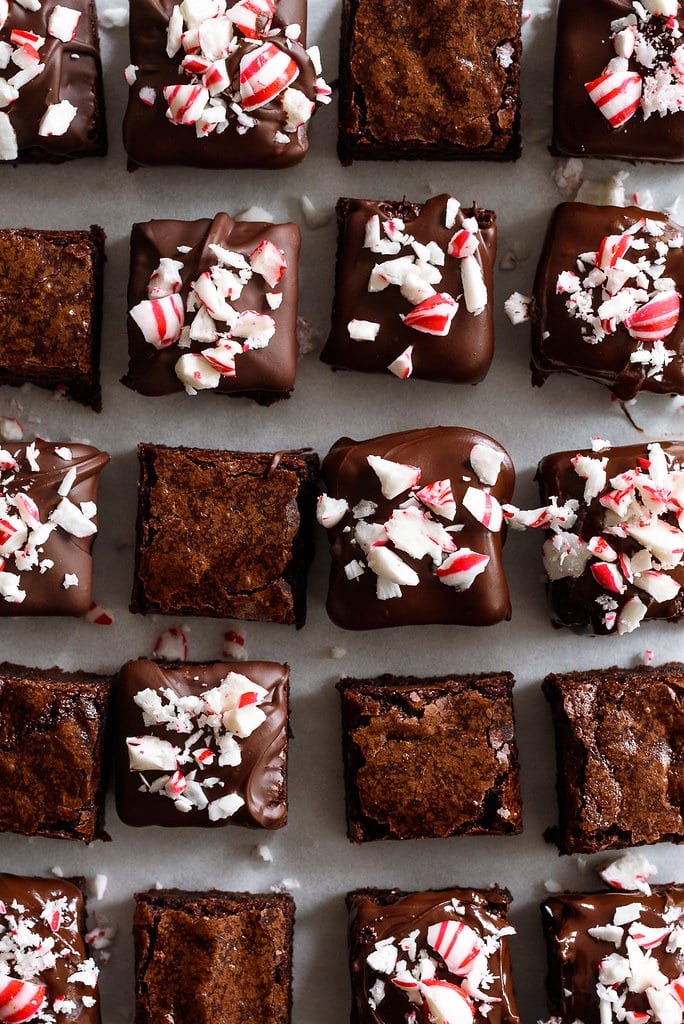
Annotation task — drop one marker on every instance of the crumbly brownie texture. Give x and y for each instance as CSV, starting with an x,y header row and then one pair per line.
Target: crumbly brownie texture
x,y
435,320
51,310
211,87
202,744
224,534
618,88
213,957
607,299
430,757
45,970
50,82
444,953
415,528
614,547
439,85
619,751
53,727
48,522
609,951
213,304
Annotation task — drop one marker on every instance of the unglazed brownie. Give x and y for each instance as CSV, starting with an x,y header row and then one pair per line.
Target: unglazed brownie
x,y
618,745
618,89
614,548
213,956
217,87
436,84
213,305
51,310
53,726
441,955
48,522
202,744
50,82
224,534
610,949
430,757
415,527
607,299
424,310
45,969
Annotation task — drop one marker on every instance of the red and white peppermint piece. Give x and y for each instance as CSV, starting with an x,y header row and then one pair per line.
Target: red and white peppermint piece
x,y
150,753
446,1003
215,35
298,111
600,548
630,616
617,95
24,37
394,477
63,22
99,615
402,366
629,873
608,576
57,118
196,373
27,509
252,17
171,645
234,645
4,12
160,320
439,498
216,78
330,511
148,96
457,943
389,566
176,785
166,279
484,507
612,249
222,358
461,569
20,1000
256,328
433,315
624,42
658,585
648,938
264,74
269,261
185,102
655,320
131,73
464,243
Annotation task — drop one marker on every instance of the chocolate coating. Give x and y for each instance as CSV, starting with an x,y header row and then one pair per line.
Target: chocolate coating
x,y
557,343
263,374
429,86
377,914
574,955
430,757
261,777
573,601
583,48
150,138
440,453
465,354
73,72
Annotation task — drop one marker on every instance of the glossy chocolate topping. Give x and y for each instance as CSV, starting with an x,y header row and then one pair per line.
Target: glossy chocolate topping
x,y
264,374
583,49
33,894
391,914
573,600
557,342
151,139
440,453
260,778
464,355
72,72
574,955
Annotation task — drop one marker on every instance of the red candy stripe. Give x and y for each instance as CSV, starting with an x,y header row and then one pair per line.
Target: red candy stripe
x,y
617,95
19,1000
433,315
657,319
264,74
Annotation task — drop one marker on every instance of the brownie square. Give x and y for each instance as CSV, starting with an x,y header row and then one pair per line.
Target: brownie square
x,y
53,726
224,534
213,957
238,94
438,84
589,45
406,548
44,960
619,745
430,757
442,955
48,524
178,766
586,971
456,346
262,363
51,310
59,113
613,556
587,320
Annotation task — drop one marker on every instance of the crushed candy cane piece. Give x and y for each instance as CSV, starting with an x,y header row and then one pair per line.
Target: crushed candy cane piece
x,y
57,118
460,569
629,873
394,477
402,366
171,645
234,645
99,615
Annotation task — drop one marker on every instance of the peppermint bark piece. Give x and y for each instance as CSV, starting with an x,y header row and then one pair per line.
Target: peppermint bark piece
x,y
213,305
416,529
414,289
202,744
608,299
443,955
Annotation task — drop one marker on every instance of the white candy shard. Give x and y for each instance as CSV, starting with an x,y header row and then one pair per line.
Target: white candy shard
x,y
9,149
629,873
150,753
57,118
474,287
196,373
330,511
224,807
363,330
63,22
72,520
394,477
486,463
